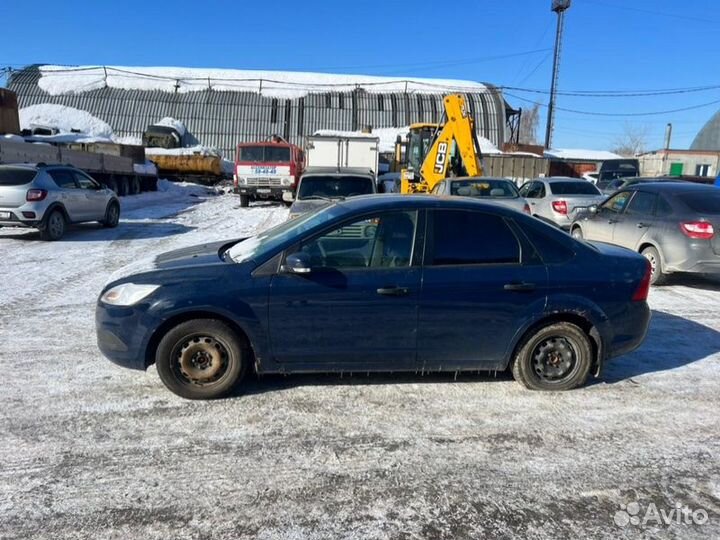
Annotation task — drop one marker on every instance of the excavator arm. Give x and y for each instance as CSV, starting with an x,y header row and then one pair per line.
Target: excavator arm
x,y
456,128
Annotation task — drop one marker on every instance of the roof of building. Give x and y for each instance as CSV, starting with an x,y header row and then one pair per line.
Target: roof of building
x,y
708,138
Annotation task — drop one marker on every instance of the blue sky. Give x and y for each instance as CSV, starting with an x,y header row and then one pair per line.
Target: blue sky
x,y
609,45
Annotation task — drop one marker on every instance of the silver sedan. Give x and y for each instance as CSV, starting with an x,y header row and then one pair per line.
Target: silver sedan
x,y
496,190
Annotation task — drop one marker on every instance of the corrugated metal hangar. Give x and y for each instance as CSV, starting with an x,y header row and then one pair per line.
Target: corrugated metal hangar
x,y
222,118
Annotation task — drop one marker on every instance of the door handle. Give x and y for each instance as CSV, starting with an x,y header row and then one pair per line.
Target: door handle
x,y
519,287
611,221
393,291
642,225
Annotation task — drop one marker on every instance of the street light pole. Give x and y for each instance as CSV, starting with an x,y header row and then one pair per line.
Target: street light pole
x,y
559,7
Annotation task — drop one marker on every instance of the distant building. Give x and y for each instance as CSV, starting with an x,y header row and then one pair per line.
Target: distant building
x,y
708,138
221,108
680,163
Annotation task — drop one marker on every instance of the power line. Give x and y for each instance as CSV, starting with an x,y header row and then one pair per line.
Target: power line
x,y
617,93
596,113
655,12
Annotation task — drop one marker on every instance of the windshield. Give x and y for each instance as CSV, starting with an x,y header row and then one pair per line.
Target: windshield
x,y
573,188
264,154
484,188
329,187
265,242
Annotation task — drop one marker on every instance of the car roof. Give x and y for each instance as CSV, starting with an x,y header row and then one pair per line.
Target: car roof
x,y
354,171
480,178
391,201
672,187
553,179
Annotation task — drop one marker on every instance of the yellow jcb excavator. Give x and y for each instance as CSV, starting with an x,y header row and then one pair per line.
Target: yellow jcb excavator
x,y
435,151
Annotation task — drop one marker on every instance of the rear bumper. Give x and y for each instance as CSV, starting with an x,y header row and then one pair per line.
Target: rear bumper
x,y
696,256
630,329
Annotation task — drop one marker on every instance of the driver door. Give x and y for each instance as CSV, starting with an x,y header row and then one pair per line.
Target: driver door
x,y
357,307
601,226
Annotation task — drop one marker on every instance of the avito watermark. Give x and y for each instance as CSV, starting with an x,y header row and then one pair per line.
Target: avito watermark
x,y
633,514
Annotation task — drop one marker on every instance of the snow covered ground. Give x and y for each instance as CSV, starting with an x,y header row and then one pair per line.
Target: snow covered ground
x,y
91,450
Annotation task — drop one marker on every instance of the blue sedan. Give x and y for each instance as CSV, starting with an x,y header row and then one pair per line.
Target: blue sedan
x,y
380,283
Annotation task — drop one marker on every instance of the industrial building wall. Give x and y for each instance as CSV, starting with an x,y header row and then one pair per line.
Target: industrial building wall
x,y
221,119
679,163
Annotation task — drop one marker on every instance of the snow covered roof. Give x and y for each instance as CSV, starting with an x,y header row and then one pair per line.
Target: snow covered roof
x,y
581,154
58,80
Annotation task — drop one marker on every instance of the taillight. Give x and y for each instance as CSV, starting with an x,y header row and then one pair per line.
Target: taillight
x,y
701,230
526,209
641,293
560,207
35,195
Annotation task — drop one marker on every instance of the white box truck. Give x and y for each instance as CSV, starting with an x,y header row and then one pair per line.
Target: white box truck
x,y
357,151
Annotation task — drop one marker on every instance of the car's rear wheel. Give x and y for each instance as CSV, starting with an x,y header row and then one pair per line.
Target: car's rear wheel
x,y
577,233
554,357
200,359
657,272
54,226
112,215
244,201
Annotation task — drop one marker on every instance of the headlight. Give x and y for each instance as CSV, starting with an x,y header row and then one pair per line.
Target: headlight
x,y
127,294
242,180
286,181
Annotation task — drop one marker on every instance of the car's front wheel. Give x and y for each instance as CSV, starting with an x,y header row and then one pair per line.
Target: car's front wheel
x,y
554,357
577,233
201,359
244,201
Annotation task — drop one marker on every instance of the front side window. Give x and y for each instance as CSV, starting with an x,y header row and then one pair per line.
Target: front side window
x,y
382,241
462,237
617,203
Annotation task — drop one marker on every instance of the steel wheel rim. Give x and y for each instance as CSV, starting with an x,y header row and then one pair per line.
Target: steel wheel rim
x,y
200,360
554,359
653,263
55,225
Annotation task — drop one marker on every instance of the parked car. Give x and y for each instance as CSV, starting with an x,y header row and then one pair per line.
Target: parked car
x,y
498,190
320,186
611,186
673,224
380,283
49,198
556,199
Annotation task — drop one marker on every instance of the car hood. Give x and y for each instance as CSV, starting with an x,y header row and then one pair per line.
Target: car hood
x,y
202,254
303,207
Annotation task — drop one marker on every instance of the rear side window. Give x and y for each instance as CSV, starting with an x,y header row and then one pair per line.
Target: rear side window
x,y
642,203
63,178
573,188
702,202
16,176
552,250
463,237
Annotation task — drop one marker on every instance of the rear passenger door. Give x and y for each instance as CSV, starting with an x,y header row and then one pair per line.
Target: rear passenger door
x,y
95,198
636,221
480,284
71,197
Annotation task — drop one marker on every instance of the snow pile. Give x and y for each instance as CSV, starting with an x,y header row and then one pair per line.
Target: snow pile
x,y
145,168
57,80
66,120
12,138
177,125
183,188
581,154
198,150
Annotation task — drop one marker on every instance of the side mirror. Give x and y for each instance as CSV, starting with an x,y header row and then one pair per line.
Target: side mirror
x,y
593,209
297,263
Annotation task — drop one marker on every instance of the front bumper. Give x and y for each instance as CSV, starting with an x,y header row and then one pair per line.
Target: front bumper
x,y
123,333
264,192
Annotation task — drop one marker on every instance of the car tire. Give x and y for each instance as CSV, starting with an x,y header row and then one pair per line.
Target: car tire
x,y
554,357
244,201
577,233
54,226
658,275
112,215
201,359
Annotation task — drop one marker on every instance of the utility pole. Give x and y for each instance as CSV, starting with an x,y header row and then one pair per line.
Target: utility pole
x,y
559,7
